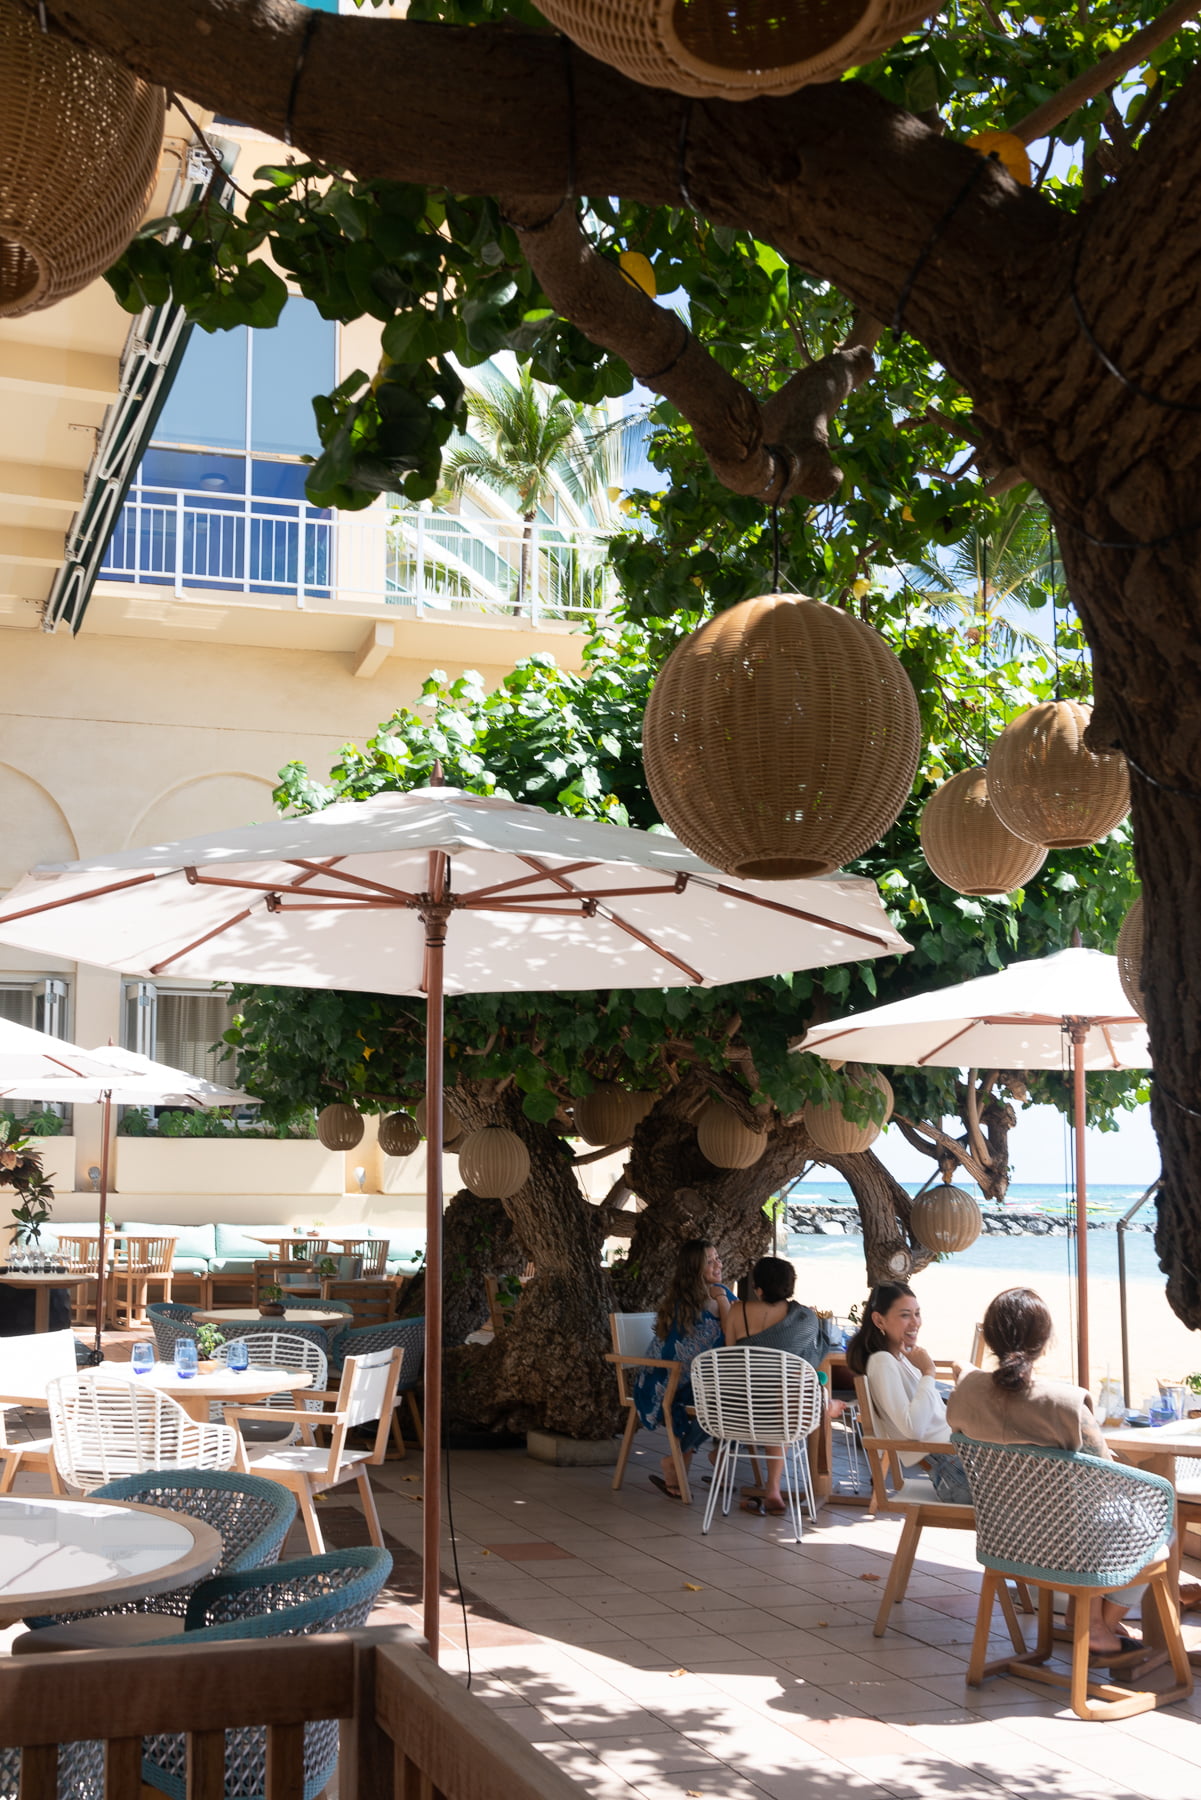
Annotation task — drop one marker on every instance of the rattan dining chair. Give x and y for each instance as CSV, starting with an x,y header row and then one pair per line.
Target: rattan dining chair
x,y
139,1262
747,1395
282,1350
372,1254
82,1257
1063,1521
103,1428
409,1336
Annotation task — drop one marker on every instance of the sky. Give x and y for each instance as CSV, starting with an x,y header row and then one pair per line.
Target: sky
x,y
1040,1151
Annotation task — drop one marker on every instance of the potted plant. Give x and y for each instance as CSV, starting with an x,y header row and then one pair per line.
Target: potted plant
x,y
208,1338
21,1170
271,1301
1193,1384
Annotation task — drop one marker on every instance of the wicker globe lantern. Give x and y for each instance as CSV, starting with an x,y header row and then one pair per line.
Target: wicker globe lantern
x,y
452,1125
494,1162
399,1134
724,1140
1048,787
945,1219
640,1104
833,1132
734,49
966,845
80,138
781,739
339,1127
605,1116
1130,958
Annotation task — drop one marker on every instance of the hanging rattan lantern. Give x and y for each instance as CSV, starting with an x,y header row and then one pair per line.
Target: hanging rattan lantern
x,y
966,844
781,739
833,1132
1048,787
1130,958
80,138
399,1134
494,1162
640,1104
452,1125
339,1127
945,1219
724,1140
606,1115
735,49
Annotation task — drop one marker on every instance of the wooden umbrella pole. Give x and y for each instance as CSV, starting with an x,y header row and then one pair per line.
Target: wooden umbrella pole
x,y
101,1259
1079,1031
434,914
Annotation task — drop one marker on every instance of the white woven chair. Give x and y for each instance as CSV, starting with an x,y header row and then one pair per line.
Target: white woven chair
x,y
282,1350
746,1395
103,1428
367,1394
1076,1524
631,1333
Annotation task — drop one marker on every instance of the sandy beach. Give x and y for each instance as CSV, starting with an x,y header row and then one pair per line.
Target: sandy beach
x,y
954,1294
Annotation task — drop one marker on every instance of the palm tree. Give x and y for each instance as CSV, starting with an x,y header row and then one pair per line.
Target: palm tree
x,y
528,439
991,576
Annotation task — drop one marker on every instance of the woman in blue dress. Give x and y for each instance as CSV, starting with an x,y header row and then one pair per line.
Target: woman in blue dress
x,y
691,1319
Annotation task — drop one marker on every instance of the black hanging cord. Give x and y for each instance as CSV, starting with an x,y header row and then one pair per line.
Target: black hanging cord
x,y
569,194
982,163
775,549
454,1546
1165,787
682,157
1103,356
306,39
1054,606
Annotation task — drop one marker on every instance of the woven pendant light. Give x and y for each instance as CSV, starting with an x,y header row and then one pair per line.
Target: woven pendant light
x,y
80,138
724,1140
734,49
605,1116
339,1127
452,1125
399,1134
781,739
945,1220
641,1103
829,1126
1130,958
494,1162
1048,787
966,844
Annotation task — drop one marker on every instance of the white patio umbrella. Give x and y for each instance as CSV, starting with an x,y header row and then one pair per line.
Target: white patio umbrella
x,y
444,892
28,1055
1059,1010
120,1078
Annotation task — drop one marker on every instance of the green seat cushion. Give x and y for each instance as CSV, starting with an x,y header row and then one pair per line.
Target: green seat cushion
x,y
190,1265
233,1265
196,1242
403,1246
239,1241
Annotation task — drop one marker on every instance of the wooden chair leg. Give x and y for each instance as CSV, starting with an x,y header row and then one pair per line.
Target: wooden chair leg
x,y
12,1463
374,1529
1011,1619
415,1415
678,1463
308,1513
398,1436
979,1656
898,1579
1169,1618
627,1441
1079,1684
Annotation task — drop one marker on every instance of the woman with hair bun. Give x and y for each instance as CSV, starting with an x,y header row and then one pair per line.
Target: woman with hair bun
x,y
1012,1404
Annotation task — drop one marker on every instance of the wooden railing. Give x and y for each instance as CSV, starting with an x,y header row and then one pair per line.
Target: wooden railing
x,y
409,1731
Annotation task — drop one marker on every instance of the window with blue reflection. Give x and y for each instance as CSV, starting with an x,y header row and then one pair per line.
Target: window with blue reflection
x,y
289,365
207,402
198,471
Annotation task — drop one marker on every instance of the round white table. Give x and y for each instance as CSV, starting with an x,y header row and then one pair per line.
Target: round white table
x,y
196,1392
61,1556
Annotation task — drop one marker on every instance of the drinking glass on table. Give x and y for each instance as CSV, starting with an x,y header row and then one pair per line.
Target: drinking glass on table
x,y
237,1357
141,1359
185,1358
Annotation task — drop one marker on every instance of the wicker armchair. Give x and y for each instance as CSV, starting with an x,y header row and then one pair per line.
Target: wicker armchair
x,y
744,1395
102,1429
169,1322
283,1350
409,1335
252,1516
1061,1520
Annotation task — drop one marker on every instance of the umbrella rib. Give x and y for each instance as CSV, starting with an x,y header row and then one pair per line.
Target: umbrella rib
x,y
270,887
157,968
955,1036
114,887
1109,1046
500,887
607,912
794,912
377,887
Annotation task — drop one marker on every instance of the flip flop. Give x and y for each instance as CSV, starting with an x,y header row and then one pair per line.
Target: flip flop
x,y
658,1482
774,1509
752,1506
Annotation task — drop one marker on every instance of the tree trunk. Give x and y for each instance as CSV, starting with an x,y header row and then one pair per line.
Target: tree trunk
x,y
890,1251
478,1239
547,1369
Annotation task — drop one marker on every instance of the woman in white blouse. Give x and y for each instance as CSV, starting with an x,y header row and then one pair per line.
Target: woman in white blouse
x,y
906,1402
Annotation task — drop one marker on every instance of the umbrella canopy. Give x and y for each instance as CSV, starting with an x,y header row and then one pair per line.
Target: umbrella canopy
x,y
27,1055
540,901
121,1078
1062,1011
439,891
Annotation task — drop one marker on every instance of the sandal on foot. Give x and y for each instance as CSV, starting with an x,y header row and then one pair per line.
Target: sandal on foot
x,y
775,1509
658,1482
752,1506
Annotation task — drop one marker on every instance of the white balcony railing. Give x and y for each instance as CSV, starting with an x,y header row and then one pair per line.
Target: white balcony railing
x,y
440,562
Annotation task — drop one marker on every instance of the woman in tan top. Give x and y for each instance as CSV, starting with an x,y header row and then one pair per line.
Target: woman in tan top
x,y
1011,1405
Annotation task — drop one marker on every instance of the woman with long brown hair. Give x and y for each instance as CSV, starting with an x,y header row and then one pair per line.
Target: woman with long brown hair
x,y
689,1320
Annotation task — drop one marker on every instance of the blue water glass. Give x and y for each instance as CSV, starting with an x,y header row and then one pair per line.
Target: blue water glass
x,y
237,1357
1163,1412
185,1358
141,1359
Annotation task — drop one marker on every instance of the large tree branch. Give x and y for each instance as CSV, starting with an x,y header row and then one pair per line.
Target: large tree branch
x,y
770,452
1110,69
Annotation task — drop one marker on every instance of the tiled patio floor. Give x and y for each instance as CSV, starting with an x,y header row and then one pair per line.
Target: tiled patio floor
x,y
647,1661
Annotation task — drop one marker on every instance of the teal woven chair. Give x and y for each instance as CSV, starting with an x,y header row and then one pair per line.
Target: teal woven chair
x,y
252,1517
1060,1520
334,1592
169,1323
410,1335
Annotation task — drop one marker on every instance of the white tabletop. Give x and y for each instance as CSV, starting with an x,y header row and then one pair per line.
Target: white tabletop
x,y
1181,1438
255,1383
71,1555
295,1315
